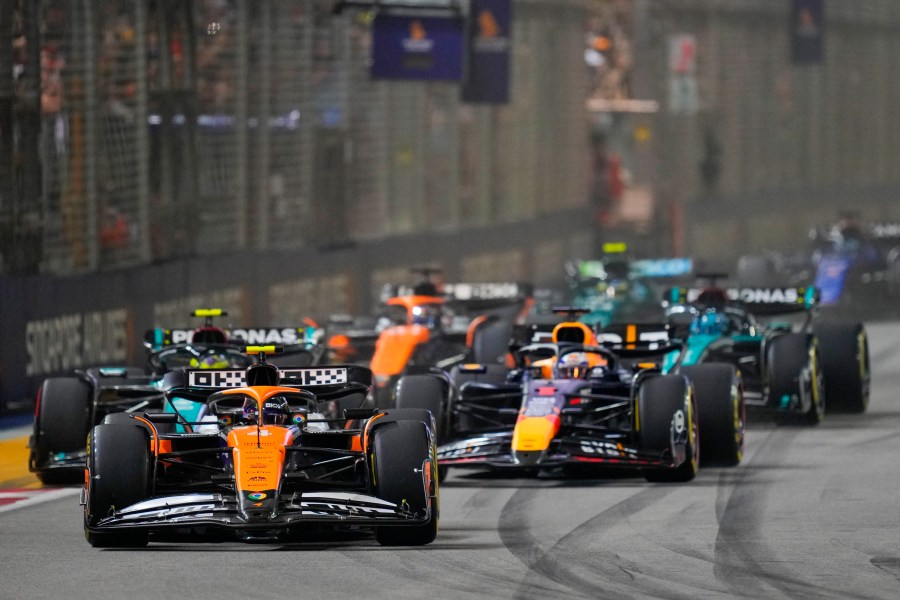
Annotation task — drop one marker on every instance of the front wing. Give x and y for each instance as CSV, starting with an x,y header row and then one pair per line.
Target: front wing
x,y
221,511
495,450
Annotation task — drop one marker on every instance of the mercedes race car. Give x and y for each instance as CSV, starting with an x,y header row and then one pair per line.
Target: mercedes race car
x,y
67,407
577,400
619,290
261,463
792,371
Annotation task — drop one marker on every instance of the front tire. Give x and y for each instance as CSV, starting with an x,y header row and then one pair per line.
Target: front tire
x,y
665,402
401,451
720,411
118,476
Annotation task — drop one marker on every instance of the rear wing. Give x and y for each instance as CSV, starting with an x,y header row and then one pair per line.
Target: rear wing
x,y
325,379
663,267
638,339
650,268
885,230
469,293
159,337
759,300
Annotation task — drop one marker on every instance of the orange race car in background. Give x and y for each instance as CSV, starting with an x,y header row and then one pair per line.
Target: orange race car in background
x,y
432,325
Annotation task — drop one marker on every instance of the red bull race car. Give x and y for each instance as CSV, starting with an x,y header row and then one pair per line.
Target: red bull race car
x,y
260,463
579,400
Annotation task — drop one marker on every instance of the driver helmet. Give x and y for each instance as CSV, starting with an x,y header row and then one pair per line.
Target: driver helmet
x,y
428,315
710,323
275,411
574,365
250,411
214,360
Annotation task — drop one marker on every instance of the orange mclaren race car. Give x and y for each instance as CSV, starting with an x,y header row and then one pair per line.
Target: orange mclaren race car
x,y
260,462
431,325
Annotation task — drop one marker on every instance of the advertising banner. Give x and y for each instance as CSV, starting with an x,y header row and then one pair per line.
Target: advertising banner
x,y
490,29
413,47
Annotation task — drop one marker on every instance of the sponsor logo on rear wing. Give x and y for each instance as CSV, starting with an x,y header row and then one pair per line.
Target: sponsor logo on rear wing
x,y
234,378
783,297
634,334
487,291
470,291
160,337
663,267
645,337
647,267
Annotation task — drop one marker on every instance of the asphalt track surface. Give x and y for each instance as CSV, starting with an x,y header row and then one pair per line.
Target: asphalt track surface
x,y
810,513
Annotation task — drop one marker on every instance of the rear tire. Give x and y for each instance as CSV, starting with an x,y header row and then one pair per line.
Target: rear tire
x,y
793,369
424,392
490,342
844,351
401,450
119,476
720,412
660,400
61,425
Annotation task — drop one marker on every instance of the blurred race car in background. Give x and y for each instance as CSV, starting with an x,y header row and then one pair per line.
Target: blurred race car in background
x,y
620,289
261,463
574,400
854,265
67,407
432,325
791,370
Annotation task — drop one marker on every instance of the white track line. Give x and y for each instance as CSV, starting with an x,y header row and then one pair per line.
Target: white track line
x,y
32,497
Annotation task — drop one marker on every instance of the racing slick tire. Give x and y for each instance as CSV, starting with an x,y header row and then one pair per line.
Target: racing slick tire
x,y
490,341
426,416
400,451
663,401
721,412
844,351
61,425
794,369
425,392
119,475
